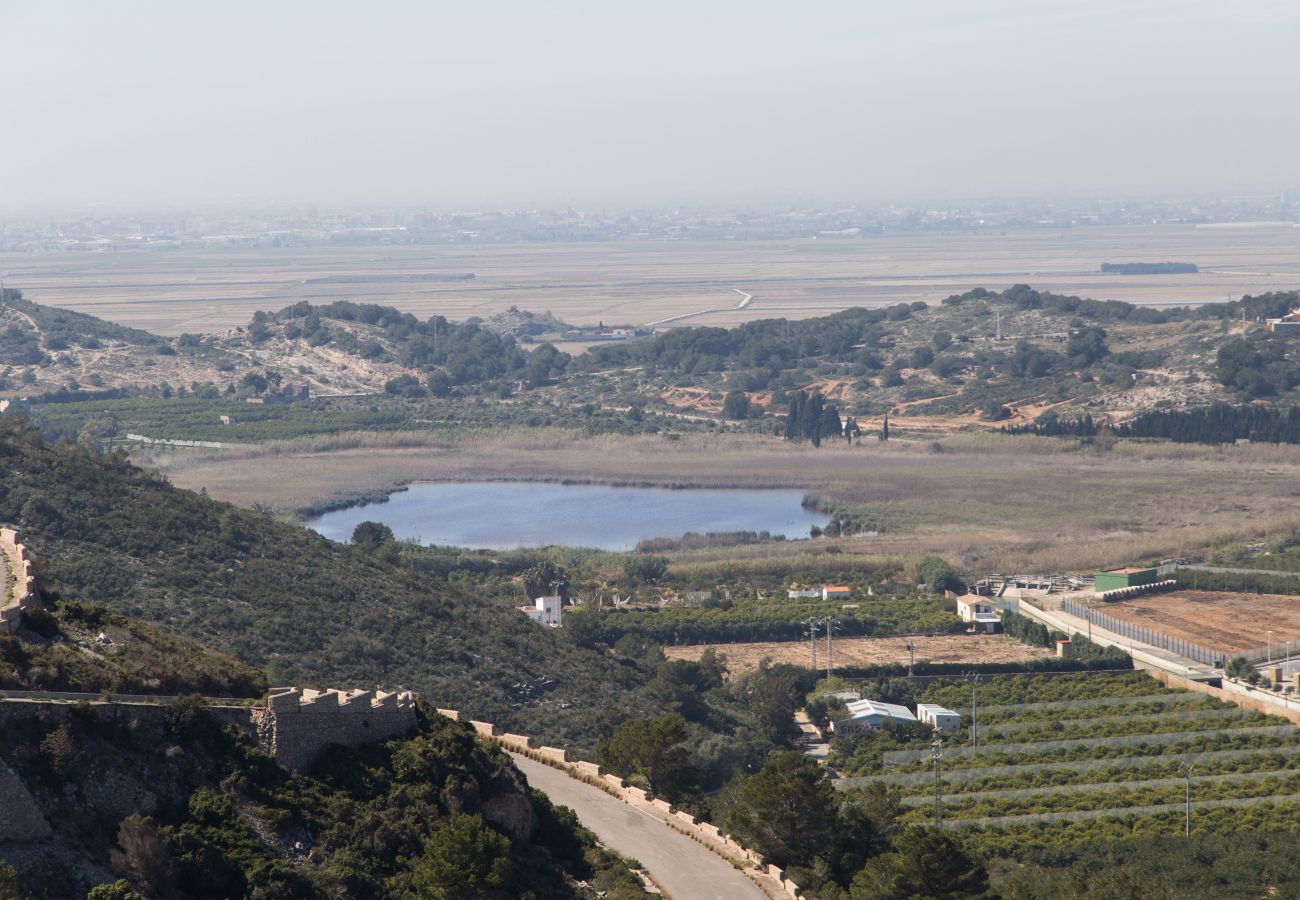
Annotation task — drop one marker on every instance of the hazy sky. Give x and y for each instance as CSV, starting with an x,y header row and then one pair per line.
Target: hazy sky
x,y
490,104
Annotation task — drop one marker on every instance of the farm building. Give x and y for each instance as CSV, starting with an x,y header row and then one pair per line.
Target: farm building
x,y
545,611
868,715
803,593
1116,579
938,717
980,612
1288,324
835,592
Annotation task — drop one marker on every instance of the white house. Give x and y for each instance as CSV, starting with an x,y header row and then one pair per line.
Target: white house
x,y
980,612
803,593
545,611
868,715
938,717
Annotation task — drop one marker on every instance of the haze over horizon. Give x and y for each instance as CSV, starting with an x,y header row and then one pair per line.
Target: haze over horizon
x,y
591,104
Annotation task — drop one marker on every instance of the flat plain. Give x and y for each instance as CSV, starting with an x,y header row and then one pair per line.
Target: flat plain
x,y
210,290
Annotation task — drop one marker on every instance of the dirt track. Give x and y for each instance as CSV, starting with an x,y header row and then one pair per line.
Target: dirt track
x,y
866,651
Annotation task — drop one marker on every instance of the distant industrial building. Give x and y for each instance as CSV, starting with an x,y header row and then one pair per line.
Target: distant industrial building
x,y
545,611
1115,579
868,715
937,717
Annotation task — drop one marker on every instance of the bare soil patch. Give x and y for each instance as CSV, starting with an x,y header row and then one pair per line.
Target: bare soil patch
x,y
1217,619
868,651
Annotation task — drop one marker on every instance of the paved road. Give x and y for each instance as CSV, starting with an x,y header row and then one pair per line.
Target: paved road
x,y
684,869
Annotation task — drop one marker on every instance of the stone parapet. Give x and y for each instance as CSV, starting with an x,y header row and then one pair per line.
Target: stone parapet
x,y
20,589
298,724
769,877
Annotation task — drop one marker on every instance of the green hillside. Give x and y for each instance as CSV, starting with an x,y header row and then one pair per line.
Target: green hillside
x,y
174,806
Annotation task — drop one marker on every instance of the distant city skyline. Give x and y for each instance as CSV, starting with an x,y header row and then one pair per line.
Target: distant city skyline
x,y
147,105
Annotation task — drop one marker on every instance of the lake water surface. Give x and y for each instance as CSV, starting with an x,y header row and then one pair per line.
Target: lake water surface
x,y
506,515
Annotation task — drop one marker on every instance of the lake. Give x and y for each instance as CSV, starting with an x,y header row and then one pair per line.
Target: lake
x,y
506,515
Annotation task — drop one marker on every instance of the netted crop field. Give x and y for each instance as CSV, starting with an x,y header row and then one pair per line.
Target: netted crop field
x,y
1090,758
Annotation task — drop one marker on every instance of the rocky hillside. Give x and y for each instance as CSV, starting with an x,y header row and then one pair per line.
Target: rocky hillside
x,y
165,802
979,359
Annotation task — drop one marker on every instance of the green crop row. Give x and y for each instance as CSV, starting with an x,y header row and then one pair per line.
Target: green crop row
x,y
1159,767
1041,838
1015,689
1266,784
1209,741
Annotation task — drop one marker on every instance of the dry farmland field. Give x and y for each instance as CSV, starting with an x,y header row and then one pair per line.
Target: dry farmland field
x,y
1220,619
642,282
869,651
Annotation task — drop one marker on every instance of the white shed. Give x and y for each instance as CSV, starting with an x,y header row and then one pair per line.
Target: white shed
x,y
938,717
866,715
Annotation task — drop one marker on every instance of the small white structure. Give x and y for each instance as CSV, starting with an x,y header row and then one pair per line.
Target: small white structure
x,y
868,715
937,717
1290,323
980,612
803,593
836,592
545,611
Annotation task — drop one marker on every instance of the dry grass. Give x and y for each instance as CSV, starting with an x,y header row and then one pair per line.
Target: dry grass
x,y
988,502
869,651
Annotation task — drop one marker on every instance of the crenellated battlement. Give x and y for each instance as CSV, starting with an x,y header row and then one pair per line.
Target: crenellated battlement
x,y
19,589
297,724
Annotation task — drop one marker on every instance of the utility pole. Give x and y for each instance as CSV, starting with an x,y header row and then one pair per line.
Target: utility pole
x,y
974,720
1270,645
1090,602
811,622
936,753
911,656
830,623
1187,803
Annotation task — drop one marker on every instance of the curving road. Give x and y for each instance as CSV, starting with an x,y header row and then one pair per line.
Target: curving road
x,y
682,868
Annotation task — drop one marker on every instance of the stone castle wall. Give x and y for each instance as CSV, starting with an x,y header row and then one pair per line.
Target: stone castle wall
x,y
298,724
21,587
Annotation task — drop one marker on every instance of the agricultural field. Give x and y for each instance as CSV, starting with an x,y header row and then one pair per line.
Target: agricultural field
x,y
1078,759
869,651
1223,619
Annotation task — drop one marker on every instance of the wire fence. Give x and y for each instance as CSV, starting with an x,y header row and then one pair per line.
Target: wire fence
x,y
1278,756
1212,656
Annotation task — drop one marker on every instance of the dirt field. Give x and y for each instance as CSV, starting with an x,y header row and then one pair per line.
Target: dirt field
x,y
1220,620
865,651
637,283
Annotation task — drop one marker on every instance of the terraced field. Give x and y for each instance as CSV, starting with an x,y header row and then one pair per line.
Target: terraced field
x,y
1096,757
